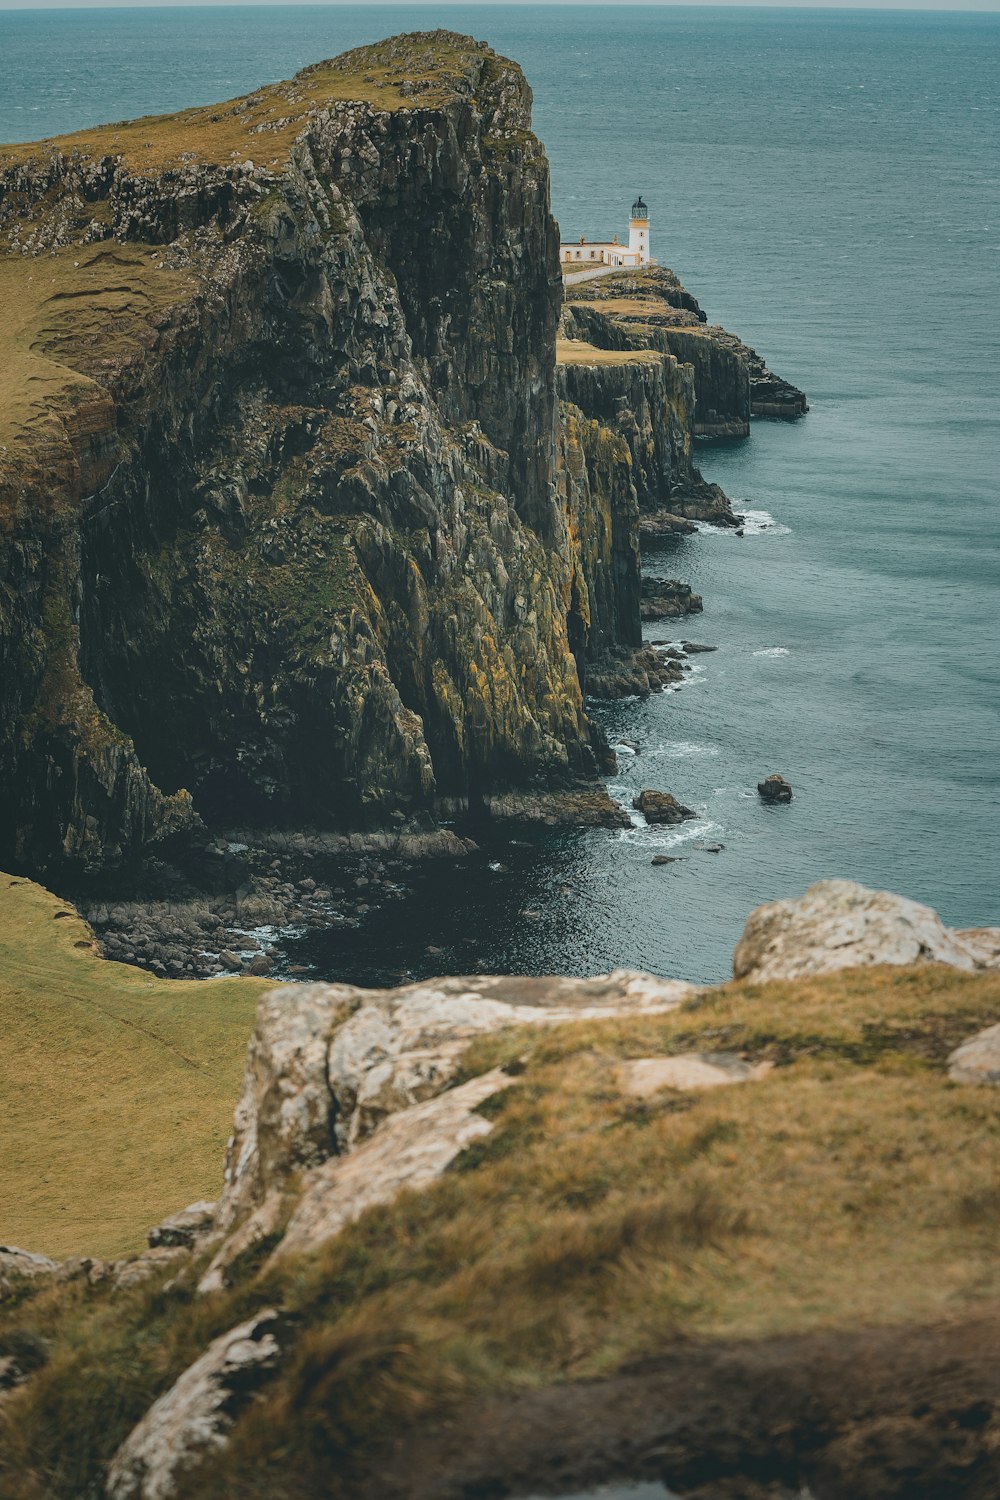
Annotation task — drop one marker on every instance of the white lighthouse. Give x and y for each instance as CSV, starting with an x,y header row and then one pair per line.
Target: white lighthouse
x,y
584,254
638,231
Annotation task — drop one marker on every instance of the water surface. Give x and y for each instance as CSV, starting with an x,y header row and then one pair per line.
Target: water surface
x,y
827,184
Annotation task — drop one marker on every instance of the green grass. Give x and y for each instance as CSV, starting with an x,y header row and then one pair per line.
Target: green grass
x,y
854,1185
116,1088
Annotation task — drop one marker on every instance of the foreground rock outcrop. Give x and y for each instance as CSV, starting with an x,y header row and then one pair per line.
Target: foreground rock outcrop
x,y
334,1070
435,1192
196,1415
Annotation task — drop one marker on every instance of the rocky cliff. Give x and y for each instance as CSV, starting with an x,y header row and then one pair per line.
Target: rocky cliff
x,y
281,538
649,309
301,522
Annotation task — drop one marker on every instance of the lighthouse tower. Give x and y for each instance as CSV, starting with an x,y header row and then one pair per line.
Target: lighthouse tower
x,y
638,231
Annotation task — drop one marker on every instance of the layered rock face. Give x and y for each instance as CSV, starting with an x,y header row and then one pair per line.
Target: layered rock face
x,y
649,309
281,537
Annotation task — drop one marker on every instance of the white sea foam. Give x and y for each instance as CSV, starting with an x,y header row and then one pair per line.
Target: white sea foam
x,y
659,836
773,651
681,750
755,523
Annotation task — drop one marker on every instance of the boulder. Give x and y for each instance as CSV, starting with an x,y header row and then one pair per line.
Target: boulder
x,y
774,789
978,1059
230,961
668,598
840,925
984,943
18,1265
184,1227
661,807
194,1417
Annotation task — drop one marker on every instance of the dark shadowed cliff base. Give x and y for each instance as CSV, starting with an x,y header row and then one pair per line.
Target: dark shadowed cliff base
x,y
873,1414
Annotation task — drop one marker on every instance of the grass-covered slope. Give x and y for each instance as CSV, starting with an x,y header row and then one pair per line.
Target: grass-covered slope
x,y
116,1088
853,1186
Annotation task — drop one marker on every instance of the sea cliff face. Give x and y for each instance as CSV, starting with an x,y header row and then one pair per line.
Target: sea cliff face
x,y
307,516
281,535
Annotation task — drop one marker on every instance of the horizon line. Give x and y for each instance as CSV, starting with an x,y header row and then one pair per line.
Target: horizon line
x,y
991,7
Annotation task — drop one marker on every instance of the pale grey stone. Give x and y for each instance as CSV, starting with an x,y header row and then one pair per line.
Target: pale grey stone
x,y
194,1417
978,1059
840,925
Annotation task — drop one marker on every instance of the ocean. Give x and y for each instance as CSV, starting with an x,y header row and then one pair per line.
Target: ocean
x,y
827,183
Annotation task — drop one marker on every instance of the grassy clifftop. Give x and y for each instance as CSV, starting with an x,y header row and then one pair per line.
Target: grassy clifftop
x,y
424,69
117,1088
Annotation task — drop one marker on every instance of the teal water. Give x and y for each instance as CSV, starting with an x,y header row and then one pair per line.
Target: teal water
x,y
828,184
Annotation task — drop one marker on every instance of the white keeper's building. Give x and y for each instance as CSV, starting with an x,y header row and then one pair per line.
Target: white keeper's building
x,y
586,252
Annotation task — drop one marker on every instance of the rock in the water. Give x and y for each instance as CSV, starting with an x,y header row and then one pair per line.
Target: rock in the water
x,y
694,649
978,1059
840,925
194,1418
661,807
231,961
667,598
664,859
774,789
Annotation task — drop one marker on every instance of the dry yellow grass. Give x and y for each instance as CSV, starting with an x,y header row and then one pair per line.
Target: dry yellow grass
x,y
576,352
116,1088
261,126
650,306
64,320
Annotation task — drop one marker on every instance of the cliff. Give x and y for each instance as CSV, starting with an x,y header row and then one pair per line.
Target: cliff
x,y
501,1235
281,537
649,309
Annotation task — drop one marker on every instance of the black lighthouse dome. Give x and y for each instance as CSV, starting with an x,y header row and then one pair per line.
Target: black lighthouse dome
x,y
639,209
